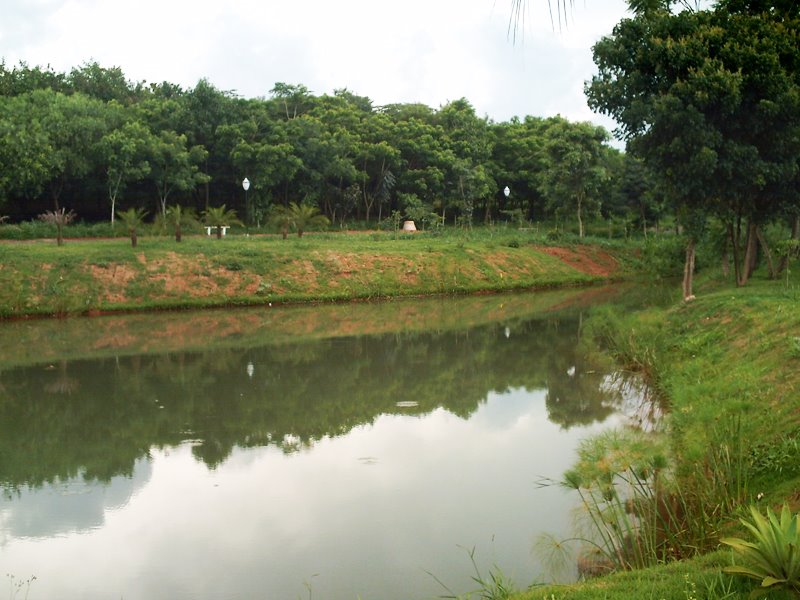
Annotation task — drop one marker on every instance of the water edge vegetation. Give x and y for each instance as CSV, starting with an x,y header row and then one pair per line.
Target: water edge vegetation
x,y
727,366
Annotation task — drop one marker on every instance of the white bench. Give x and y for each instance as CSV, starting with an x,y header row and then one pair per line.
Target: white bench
x,y
210,227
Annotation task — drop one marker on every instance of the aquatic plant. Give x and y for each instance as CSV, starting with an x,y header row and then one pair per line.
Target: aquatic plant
x,y
635,511
494,586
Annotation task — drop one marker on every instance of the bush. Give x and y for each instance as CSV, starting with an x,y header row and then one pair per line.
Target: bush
x,y
36,230
772,558
664,256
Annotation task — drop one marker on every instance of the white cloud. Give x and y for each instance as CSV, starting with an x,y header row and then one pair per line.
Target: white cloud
x,y
429,51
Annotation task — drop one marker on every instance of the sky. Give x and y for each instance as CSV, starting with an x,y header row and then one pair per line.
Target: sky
x,y
428,51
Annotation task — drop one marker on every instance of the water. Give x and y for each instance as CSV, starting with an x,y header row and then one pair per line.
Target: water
x,y
328,452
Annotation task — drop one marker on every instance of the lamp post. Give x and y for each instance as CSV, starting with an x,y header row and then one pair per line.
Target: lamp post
x,y
246,186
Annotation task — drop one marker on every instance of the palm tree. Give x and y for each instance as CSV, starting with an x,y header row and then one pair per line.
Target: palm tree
x,y
177,218
220,217
280,217
302,217
132,219
636,6
60,218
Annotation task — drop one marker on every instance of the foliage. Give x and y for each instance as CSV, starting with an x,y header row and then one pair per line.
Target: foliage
x,y
634,515
132,220
178,218
60,218
64,137
574,168
709,99
31,230
494,586
773,557
220,217
298,217
708,368
125,150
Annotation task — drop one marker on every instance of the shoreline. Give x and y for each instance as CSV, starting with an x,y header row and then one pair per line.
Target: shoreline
x,y
105,277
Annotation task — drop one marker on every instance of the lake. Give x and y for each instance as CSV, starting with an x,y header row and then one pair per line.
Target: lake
x,y
334,452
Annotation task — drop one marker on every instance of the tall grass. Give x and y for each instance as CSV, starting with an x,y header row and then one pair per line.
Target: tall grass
x,y
495,585
635,343
637,510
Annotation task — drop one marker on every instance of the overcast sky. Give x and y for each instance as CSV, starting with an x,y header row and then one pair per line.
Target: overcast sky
x,y
429,51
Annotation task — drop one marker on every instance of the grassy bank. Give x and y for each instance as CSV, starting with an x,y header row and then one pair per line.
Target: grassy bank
x,y
88,276
728,366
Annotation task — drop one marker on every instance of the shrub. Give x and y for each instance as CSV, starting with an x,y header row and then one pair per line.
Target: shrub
x,y
664,256
773,558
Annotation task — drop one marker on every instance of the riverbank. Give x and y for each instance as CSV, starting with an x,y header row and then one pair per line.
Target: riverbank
x,y
729,366
98,276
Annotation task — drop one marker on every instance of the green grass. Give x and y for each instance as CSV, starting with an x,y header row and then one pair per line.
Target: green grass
x,y
688,580
40,278
728,366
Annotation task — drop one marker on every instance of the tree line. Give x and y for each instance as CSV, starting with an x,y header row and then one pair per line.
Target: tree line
x,y
710,101
93,142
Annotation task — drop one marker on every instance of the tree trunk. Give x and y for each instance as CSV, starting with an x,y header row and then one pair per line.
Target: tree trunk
x,y
688,271
749,255
773,274
580,219
134,239
735,247
178,233
795,235
219,232
113,194
726,260
644,219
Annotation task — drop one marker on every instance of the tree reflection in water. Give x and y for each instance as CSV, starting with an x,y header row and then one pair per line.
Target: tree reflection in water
x,y
96,421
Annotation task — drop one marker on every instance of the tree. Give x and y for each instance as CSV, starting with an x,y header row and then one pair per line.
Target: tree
x,y
60,218
23,79
518,162
26,151
133,219
300,217
280,217
259,148
208,109
178,217
125,151
101,83
574,167
709,100
174,166
74,125
295,100
468,180
220,217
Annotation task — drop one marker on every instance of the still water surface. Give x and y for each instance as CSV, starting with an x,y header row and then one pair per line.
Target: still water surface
x,y
325,452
